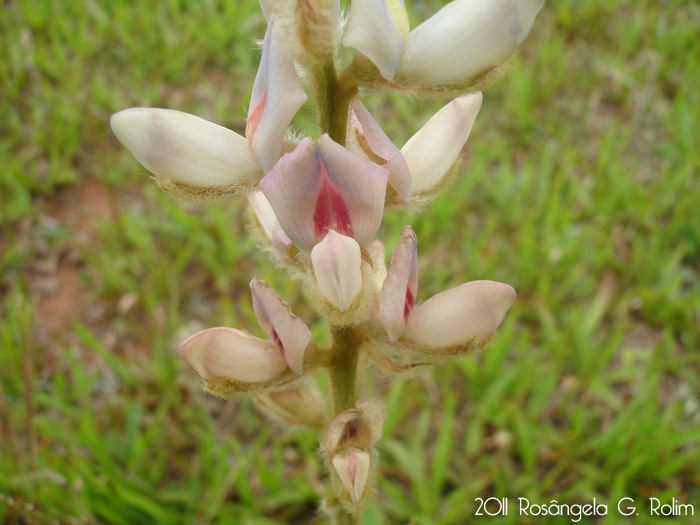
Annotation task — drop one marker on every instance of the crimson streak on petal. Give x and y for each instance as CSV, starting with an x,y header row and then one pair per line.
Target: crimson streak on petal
x,y
331,211
408,305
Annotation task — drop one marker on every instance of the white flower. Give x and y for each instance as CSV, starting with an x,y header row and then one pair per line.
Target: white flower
x,y
378,29
463,39
191,151
433,150
186,149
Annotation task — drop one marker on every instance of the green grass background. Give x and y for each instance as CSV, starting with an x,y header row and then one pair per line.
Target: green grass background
x,y
582,192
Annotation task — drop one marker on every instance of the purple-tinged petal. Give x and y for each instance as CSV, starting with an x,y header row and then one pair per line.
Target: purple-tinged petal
x,y
277,96
370,138
400,286
469,312
432,151
288,332
337,263
322,186
378,29
230,354
185,149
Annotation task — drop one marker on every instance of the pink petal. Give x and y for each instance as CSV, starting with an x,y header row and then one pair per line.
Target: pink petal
x,y
288,332
230,354
471,311
365,130
400,286
322,186
352,466
337,263
277,96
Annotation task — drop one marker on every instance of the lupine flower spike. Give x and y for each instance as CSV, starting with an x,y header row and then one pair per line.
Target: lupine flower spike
x,y
317,205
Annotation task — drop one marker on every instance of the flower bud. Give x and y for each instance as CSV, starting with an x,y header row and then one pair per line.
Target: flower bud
x,y
309,29
337,263
352,466
357,427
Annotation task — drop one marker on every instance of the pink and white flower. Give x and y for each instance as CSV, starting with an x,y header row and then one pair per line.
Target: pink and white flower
x,y
227,354
461,316
322,186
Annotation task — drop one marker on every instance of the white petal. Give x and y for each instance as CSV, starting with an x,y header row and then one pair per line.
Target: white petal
x,y
226,353
337,264
432,151
287,331
401,285
352,466
378,29
322,186
280,241
365,131
277,96
263,211
466,37
186,149
471,311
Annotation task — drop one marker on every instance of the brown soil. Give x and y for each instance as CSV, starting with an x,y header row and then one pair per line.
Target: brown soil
x,y
64,297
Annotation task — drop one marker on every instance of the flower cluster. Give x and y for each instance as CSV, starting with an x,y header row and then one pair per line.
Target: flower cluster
x,y
318,202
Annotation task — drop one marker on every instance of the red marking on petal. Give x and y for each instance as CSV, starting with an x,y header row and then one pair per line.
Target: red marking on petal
x,y
408,305
277,340
352,466
331,211
255,117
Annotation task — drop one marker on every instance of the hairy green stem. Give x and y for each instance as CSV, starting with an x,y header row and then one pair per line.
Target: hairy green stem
x,y
343,375
332,100
343,370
